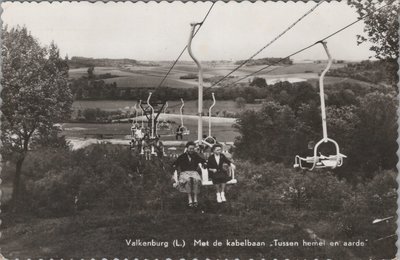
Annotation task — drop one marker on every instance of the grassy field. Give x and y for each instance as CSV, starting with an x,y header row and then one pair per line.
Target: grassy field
x,y
173,106
148,81
104,234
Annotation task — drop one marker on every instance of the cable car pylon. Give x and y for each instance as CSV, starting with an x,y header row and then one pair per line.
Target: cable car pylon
x,y
319,160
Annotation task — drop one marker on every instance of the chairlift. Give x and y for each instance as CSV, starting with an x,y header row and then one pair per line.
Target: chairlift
x,y
204,171
210,140
182,129
136,114
140,131
135,124
205,181
136,132
141,118
152,137
164,125
318,160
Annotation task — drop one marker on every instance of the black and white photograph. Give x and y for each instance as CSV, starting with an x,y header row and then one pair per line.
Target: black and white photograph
x,y
199,130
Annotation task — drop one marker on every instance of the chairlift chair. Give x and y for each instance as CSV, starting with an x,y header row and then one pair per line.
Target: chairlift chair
x,y
135,127
140,132
152,137
205,181
319,160
164,124
133,140
136,114
182,128
210,140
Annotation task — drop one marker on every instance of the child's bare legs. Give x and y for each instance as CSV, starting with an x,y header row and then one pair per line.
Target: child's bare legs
x,y
223,187
190,198
219,198
223,192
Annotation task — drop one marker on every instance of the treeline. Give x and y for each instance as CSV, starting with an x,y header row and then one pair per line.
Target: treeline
x,y
81,62
100,90
369,71
267,61
285,92
97,115
83,88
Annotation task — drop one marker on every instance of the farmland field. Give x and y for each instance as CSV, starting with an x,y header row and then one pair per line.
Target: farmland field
x,y
76,73
335,80
151,76
148,81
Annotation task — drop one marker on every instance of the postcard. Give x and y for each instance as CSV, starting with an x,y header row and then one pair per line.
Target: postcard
x,y
199,130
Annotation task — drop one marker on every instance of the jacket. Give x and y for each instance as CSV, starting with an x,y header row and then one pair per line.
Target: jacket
x,y
212,163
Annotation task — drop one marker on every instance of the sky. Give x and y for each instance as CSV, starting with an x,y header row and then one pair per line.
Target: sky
x,y
159,31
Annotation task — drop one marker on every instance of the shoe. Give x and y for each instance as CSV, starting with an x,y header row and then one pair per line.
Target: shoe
x,y
190,205
219,200
223,199
195,204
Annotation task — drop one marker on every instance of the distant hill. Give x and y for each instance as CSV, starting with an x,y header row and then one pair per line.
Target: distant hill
x,y
267,61
80,62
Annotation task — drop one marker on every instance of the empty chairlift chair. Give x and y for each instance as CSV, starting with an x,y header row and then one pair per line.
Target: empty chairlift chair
x,y
318,160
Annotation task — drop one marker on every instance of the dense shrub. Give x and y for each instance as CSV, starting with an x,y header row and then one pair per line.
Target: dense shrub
x,y
109,178
273,185
369,201
59,182
54,194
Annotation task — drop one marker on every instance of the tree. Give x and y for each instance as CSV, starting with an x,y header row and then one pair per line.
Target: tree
x,y
240,102
90,72
374,141
381,27
266,135
90,114
382,30
35,95
259,82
